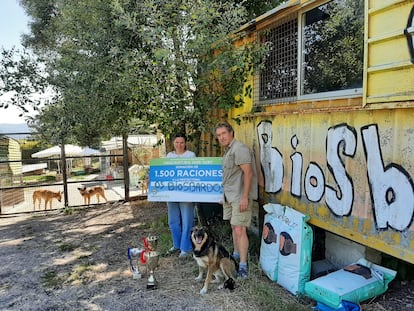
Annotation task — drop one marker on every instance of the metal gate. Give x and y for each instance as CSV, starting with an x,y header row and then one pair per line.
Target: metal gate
x,y
68,176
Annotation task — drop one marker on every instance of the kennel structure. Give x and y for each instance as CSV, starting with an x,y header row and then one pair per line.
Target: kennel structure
x,y
11,170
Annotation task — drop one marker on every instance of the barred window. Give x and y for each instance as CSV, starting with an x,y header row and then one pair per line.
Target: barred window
x,y
278,79
331,54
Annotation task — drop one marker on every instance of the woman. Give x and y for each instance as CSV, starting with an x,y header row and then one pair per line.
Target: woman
x,y
181,214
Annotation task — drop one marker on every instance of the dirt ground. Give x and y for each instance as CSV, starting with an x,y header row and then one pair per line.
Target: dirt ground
x,y
79,261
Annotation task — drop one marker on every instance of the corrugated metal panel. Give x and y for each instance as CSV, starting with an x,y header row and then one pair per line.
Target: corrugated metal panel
x,y
352,174
348,165
4,148
10,151
390,71
15,154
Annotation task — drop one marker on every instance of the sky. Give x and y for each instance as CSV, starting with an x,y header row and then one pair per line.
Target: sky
x,y
13,23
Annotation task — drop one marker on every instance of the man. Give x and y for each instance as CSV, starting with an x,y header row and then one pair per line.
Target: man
x,y
240,189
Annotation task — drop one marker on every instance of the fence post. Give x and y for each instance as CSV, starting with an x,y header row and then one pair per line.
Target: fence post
x,y
125,165
64,174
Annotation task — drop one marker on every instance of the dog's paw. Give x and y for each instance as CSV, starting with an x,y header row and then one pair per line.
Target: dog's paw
x,y
230,284
203,291
215,281
221,286
199,278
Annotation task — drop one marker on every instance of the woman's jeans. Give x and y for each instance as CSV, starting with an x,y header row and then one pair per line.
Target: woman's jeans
x,y
181,221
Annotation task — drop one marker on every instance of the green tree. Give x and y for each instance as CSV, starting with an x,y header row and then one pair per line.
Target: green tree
x,y
334,46
167,63
20,78
256,8
87,61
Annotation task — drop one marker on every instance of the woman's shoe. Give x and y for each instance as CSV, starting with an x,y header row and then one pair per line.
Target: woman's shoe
x,y
173,251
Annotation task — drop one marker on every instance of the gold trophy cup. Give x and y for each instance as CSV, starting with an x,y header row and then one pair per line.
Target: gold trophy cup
x,y
151,242
151,258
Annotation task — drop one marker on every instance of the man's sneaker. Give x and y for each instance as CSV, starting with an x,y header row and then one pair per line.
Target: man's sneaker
x,y
242,274
184,254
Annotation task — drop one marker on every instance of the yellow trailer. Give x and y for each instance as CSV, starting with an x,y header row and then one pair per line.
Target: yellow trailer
x,y
332,117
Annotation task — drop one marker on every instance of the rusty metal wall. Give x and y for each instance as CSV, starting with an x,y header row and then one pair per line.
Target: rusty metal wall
x,y
347,162
350,171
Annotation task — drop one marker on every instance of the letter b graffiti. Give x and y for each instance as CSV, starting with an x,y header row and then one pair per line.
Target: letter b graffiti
x,y
391,187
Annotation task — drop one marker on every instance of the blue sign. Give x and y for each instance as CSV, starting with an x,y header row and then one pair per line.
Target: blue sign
x,y
185,180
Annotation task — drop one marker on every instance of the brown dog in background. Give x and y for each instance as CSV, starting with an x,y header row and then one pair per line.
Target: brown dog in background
x,y
46,195
88,192
213,259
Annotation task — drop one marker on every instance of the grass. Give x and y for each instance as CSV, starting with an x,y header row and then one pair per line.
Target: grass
x,y
39,178
266,294
68,211
51,279
67,247
76,275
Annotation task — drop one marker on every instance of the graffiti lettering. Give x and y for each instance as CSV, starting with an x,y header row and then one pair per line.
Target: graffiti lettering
x,y
391,187
314,182
297,164
345,138
270,158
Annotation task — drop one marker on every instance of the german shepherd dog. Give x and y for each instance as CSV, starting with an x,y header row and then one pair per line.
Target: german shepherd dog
x,y
87,193
46,195
213,258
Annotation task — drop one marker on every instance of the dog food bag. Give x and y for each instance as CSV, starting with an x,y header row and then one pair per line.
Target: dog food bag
x,y
295,251
269,248
286,247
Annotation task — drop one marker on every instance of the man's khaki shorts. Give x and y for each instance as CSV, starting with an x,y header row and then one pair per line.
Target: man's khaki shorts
x,y
231,211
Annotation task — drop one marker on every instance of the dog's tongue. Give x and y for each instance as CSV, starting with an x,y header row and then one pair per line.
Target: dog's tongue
x,y
199,239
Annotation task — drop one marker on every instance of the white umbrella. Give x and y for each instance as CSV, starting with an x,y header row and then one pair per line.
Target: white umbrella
x,y
70,150
86,151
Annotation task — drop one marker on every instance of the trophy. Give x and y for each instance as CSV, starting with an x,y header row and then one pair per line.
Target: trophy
x,y
134,256
151,258
150,242
145,256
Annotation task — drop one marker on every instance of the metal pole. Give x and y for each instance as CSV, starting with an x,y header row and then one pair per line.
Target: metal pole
x,y
64,174
125,164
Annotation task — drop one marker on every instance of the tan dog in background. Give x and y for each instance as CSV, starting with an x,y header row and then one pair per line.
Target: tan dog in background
x,y
46,195
143,185
88,192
